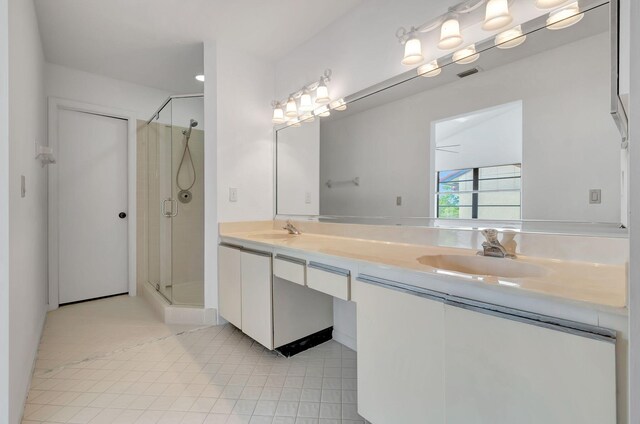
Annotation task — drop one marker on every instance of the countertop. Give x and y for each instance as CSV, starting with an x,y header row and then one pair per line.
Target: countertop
x,y
584,282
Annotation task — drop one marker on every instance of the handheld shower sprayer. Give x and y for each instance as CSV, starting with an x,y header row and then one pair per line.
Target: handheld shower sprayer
x,y
185,194
192,124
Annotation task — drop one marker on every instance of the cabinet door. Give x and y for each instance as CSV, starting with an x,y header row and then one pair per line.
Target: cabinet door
x,y
400,356
230,285
257,317
501,371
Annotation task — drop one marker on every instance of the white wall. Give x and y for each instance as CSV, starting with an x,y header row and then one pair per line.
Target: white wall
x,y
28,215
4,210
299,169
244,134
569,145
95,89
238,145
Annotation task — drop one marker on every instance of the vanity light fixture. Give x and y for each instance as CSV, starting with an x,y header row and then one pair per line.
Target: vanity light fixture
x,y
299,106
200,77
306,105
510,38
338,105
322,93
292,109
497,15
430,69
322,111
549,4
565,17
278,114
412,49
450,36
466,55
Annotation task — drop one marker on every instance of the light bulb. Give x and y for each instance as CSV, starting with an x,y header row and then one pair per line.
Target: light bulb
x,y
278,115
497,15
338,105
510,38
450,37
565,17
412,51
430,69
322,111
466,55
305,102
322,94
292,110
549,4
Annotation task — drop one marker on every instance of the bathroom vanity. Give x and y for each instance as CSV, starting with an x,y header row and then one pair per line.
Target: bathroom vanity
x,y
391,192
538,344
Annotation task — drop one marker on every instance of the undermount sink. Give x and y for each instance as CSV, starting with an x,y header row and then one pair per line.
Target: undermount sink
x,y
483,265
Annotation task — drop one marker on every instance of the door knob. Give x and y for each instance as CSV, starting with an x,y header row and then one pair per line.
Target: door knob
x,y
122,215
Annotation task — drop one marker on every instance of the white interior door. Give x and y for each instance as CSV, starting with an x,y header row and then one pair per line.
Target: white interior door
x,y
92,193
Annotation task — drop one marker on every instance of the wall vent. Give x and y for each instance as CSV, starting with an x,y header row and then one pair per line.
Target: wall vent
x,y
468,72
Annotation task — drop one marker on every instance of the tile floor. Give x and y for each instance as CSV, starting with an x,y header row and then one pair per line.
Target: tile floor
x,y
113,361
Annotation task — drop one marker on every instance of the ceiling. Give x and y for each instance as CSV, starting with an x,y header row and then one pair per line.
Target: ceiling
x,y
158,43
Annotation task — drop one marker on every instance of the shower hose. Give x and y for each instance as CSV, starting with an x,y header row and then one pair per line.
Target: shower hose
x,y
184,154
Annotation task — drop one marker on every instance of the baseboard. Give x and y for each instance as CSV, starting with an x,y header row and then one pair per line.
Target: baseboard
x,y
172,314
345,339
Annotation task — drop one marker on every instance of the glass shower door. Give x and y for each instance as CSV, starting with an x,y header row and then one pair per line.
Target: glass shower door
x,y
161,204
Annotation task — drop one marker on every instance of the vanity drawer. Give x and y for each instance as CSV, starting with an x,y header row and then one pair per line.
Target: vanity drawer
x,y
328,279
290,269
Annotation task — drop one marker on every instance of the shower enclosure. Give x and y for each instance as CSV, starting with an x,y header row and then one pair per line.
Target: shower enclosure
x,y
175,200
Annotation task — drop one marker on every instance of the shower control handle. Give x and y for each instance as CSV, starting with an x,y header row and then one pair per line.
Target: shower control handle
x,y
122,215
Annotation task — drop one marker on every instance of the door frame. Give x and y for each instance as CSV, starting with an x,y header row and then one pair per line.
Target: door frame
x,y
55,104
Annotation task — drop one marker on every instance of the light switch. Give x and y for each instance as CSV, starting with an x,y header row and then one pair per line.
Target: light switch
x,y
233,194
399,201
307,197
595,196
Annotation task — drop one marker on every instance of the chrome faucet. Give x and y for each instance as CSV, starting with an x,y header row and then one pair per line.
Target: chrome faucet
x,y
291,228
494,248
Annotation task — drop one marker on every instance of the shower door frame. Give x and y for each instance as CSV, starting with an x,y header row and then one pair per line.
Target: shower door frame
x,y
56,104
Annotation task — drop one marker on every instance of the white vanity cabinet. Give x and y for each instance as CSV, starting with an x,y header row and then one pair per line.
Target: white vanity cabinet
x,y
257,318
230,284
502,371
400,356
428,357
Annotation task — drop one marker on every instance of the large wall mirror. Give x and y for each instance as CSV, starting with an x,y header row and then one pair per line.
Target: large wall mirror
x,y
521,133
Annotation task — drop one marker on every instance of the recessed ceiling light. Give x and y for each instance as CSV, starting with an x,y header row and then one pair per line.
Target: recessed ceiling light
x,y
200,77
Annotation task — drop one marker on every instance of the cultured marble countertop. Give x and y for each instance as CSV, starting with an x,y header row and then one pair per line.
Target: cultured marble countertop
x,y
585,282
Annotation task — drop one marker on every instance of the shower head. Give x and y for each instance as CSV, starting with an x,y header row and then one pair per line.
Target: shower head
x,y
192,124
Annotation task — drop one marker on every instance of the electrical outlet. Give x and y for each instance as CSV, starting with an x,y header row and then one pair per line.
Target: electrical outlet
x,y
595,196
233,194
399,201
23,186
307,197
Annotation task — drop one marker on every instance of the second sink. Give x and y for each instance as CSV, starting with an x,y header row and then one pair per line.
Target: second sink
x,y
482,265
